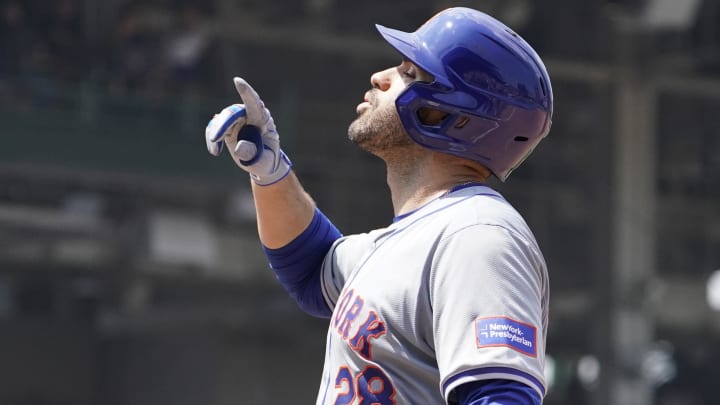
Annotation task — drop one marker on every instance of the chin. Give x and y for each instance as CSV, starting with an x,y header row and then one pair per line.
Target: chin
x,y
378,129
359,128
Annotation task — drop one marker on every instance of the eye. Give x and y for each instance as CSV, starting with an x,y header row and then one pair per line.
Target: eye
x,y
410,72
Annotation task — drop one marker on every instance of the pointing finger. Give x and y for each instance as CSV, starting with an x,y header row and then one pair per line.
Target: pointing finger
x,y
253,104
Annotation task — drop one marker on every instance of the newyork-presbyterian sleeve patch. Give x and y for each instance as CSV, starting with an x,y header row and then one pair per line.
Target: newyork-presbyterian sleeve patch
x,y
507,332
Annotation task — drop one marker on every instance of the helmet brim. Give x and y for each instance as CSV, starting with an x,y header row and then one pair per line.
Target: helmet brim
x,y
411,46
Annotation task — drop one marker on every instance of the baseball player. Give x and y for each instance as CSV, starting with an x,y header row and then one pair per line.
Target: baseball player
x,y
448,303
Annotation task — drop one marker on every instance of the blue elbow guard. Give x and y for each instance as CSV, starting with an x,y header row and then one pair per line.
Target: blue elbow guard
x,y
297,264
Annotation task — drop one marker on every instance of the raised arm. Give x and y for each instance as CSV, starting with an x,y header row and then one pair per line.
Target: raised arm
x,y
283,207
295,235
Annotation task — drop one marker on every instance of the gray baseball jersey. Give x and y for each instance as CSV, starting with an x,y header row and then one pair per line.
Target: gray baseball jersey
x,y
455,292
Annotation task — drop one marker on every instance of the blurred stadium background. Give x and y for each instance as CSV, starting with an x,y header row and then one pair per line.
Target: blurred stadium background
x,y
130,271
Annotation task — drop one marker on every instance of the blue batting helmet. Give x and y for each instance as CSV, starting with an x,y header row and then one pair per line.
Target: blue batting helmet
x,y
491,83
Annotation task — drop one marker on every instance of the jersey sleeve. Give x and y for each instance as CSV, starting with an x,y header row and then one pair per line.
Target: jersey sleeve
x,y
344,256
488,292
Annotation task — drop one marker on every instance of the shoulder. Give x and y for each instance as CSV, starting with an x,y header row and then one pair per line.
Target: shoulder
x,y
480,226
484,211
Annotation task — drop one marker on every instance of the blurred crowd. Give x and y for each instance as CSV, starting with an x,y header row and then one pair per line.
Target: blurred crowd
x,y
149,48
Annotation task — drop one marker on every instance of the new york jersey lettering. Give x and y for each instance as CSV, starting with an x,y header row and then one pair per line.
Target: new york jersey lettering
x,y
372,327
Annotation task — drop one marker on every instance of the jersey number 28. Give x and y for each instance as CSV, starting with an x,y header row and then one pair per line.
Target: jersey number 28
x,y
370,387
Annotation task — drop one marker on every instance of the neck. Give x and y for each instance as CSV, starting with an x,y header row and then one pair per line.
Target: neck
x,y
419,176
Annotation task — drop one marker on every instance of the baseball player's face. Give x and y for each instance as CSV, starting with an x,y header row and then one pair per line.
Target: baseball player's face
x,y
378,127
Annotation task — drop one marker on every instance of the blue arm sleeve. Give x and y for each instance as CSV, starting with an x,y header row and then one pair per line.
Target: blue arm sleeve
x,y
497,392
297,264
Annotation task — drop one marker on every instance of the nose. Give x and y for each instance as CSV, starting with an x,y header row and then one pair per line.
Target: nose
x,y
381,80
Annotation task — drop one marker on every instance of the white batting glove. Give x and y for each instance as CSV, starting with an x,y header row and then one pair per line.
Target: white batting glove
x,y
249,132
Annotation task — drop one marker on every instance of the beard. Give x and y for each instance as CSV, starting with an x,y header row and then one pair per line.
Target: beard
x,y
379,130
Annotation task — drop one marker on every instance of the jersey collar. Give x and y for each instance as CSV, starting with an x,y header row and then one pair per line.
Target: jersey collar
x,y
482,189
